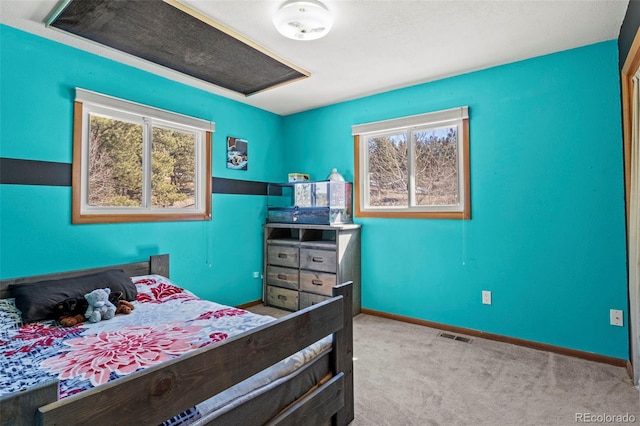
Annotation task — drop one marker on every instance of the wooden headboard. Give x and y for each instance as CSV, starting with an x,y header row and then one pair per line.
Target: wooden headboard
x,y
158,264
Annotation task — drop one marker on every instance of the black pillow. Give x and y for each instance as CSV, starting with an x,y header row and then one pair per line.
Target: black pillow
x,y
37,301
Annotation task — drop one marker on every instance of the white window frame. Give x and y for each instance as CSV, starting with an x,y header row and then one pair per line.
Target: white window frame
x,y
89,103
455,117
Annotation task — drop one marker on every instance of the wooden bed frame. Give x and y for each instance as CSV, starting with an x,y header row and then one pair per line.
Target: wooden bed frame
x,y
158,393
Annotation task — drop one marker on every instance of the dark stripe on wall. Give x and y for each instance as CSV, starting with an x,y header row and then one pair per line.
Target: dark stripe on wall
x,y
234,186
32,172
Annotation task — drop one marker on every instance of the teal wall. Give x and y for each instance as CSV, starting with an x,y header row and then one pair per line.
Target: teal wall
x,y
215,259
547,232
547,229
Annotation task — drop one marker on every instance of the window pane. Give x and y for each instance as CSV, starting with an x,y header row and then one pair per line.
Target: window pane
x,y
173,168
388,171
303,195
115,163
436,167
321,196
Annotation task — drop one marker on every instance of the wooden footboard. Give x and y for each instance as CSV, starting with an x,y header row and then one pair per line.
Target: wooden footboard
x,y
158,393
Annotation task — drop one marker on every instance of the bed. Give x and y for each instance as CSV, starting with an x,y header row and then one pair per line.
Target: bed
x,y
233,376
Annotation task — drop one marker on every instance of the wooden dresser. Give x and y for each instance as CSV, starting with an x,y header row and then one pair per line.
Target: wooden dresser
x,y
303,262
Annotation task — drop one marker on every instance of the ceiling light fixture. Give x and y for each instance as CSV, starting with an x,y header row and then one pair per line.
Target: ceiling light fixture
x,y
303,19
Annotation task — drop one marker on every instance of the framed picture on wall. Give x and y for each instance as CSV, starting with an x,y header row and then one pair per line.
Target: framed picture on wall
x,y
237,153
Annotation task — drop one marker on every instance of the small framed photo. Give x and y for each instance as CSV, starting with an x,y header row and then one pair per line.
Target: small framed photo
x,y
237,153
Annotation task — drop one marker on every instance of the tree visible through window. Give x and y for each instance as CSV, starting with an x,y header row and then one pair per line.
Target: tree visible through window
x,y
115,163
419,169
137,167
388,171
173,168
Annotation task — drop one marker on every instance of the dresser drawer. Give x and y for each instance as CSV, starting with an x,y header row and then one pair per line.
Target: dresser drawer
x,y
282,255
308,299
317,282
282,298
318,260
282,277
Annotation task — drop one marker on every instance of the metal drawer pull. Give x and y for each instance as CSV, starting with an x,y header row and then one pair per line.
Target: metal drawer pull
x,y
317,259
281,297
316,282
282,255
282,277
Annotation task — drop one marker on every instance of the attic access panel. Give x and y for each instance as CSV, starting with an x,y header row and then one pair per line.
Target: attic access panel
x,y
167,35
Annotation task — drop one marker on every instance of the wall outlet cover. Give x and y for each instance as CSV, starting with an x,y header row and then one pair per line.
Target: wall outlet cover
x,y
615,317
486,297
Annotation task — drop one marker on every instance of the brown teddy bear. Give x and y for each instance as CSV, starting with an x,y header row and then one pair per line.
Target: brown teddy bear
x,y
71,311
122,306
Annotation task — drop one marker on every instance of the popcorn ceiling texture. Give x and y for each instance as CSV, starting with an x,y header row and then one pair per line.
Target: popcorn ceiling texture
x,y
376,46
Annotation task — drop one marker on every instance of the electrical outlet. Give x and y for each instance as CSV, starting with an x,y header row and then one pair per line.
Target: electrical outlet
x,y
256,274
486,297
615,316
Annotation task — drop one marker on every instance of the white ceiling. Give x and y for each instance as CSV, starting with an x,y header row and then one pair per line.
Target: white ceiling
x,y
376,45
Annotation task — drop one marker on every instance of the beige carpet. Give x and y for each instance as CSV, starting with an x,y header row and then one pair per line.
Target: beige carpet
x,y
407,374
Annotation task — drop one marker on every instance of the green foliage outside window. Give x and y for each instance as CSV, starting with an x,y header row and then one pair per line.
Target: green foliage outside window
x,y
116,165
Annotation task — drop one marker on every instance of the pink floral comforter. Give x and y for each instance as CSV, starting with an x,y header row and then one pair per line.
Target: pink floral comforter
x,y
167,322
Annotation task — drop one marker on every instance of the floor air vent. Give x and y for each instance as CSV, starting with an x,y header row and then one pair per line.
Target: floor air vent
x,y
454,337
